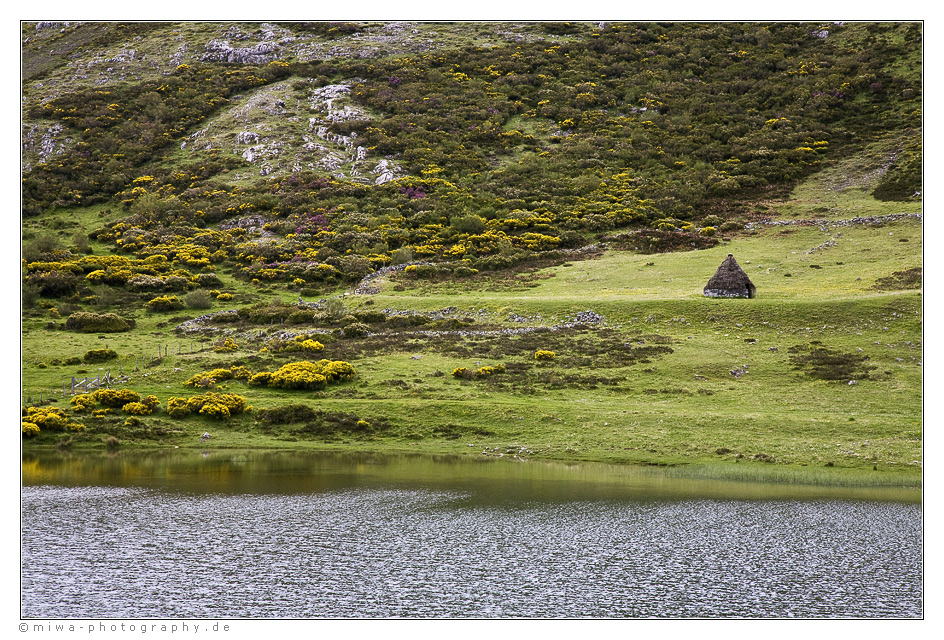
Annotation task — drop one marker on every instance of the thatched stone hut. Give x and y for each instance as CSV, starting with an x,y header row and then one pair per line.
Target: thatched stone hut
x,y
730,281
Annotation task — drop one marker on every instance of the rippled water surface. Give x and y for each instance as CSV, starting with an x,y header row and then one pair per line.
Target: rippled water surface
x,y
338,537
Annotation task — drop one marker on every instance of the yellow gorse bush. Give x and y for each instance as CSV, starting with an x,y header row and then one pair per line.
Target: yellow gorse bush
x,y
301,342
177,407
82,402
164,303
227,345
50,419
116,398
307,375
137,409
219,406
480,374
210,378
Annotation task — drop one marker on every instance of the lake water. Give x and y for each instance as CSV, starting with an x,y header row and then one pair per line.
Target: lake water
x,y
289,535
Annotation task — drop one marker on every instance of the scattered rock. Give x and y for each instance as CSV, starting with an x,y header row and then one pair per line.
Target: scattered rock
x,y
588,317
892,217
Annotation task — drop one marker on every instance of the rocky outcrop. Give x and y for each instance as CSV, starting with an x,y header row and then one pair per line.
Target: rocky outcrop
x,y
41,144
385,172
221,51
267,127
252,224
40,26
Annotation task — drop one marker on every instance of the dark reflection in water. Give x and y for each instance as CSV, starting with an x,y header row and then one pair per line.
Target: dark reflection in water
x,y
299,536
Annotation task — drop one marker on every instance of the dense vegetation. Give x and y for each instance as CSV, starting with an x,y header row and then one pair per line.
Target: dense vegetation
x,y
509,150
166,186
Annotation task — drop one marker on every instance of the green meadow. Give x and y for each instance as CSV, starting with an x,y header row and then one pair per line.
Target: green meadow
x,y
676,403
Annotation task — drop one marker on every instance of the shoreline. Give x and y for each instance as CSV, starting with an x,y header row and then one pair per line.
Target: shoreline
x,y
752,472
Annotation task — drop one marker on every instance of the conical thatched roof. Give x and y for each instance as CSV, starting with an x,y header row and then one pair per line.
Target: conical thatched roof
x,y
730,281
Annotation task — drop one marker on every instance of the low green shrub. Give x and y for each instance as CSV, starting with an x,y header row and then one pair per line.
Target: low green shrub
x,y
198,299
53,283
208,280
356,330
370,316
99,355
88,322
302,316
225,317
407,320
287,414
464,272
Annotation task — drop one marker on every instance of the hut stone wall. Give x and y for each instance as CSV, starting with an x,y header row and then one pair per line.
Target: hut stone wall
x,y
727,293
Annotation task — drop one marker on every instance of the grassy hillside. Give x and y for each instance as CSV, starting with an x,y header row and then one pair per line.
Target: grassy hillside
x,y
436,206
